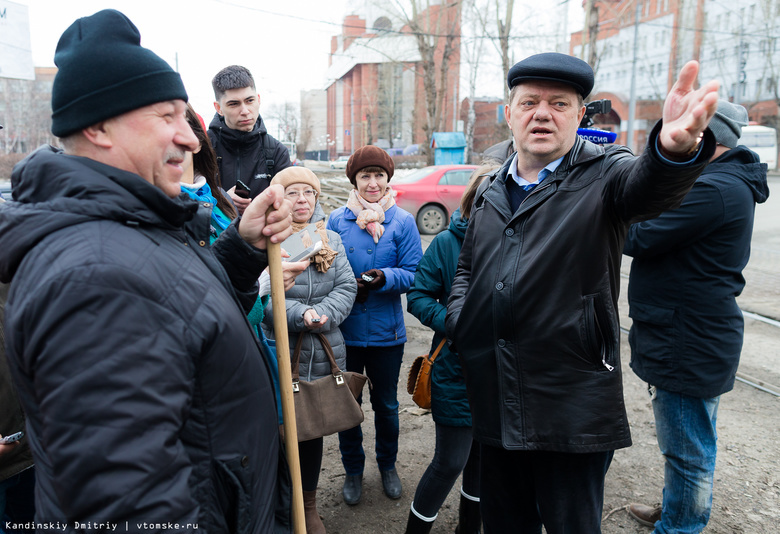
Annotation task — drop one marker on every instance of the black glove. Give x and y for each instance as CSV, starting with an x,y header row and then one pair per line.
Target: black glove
x,y
362,294
378,281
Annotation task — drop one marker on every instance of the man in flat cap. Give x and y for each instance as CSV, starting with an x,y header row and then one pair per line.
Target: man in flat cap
x,y
149,404
533,307
687,329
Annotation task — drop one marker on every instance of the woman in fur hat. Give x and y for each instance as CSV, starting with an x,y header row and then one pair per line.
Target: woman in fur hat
x,y
383,247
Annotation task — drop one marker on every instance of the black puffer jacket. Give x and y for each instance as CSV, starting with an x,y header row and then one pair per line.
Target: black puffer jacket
x,y
532,311
245,155
146,394
686,275
11,414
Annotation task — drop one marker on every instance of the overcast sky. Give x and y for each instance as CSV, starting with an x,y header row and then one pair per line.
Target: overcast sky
x,y
284,43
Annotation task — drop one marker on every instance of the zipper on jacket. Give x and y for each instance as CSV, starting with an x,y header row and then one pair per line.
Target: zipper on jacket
x,y
603,342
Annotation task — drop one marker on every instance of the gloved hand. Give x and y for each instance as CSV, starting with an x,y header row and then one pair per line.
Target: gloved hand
x,y
362,294
379,280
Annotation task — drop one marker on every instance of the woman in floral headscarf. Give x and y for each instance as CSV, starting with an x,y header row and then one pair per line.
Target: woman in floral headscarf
x,y
383,248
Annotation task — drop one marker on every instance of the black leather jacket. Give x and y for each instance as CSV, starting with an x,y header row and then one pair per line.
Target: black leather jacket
x,y
532,310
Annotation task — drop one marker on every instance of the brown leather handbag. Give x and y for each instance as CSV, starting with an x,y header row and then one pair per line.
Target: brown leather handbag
x,y
418,384
326,405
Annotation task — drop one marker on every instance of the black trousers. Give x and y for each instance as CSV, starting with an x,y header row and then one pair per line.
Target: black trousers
x,y
310,455
523,490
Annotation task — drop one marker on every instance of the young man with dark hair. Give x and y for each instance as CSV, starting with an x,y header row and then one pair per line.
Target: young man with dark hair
x,y
246,152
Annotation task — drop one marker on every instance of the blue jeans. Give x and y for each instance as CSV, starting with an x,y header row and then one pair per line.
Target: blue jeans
x,y
455,451
523,490
382,366
685,427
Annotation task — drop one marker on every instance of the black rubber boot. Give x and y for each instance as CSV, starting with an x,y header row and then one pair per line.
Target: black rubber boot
x,y
415,525
469,517
353,489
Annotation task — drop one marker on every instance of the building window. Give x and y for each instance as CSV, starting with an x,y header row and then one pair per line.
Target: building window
x,y
383,24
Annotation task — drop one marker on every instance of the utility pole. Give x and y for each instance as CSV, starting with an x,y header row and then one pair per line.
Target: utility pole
x,y
586,29
632,99
741,62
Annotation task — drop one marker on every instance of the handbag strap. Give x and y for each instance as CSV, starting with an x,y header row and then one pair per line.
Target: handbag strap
x,y
296,358
438,350
334,368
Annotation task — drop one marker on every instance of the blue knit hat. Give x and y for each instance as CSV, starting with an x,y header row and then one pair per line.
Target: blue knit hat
x,y
104,72
553,67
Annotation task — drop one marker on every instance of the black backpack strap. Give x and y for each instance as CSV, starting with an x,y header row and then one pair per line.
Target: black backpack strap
x,y
268,155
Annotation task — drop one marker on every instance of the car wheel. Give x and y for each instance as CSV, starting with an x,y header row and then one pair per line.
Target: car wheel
x,y
332,166
431,219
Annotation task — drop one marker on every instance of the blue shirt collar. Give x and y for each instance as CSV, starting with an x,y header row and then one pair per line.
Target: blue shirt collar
x,y
544,173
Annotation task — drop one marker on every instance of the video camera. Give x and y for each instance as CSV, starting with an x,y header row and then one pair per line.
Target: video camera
x,y
594,135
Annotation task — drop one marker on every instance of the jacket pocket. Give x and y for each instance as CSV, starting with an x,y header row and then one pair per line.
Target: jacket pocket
x,y
600,339
232,494
653,335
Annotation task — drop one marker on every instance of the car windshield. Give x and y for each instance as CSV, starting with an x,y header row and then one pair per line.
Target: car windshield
x,y
414,176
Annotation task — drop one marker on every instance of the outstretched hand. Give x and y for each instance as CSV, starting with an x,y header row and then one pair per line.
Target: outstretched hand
x,y
268,216
687,112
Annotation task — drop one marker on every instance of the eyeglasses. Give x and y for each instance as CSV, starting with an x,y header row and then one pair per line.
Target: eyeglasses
x,y
308,193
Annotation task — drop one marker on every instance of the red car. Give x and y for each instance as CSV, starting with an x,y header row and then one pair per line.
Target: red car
x,y
432,194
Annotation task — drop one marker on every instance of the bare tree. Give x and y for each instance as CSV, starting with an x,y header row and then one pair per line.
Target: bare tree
x,y
27,115
287,116
472,53
504,29
436,28
306,129
388,100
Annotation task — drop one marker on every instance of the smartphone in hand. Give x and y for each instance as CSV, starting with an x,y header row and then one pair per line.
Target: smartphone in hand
x,y
367,277
303,245
12,438
242,190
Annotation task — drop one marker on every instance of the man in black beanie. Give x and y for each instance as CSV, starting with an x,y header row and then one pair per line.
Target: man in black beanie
x,y
687,329
533,307
149,403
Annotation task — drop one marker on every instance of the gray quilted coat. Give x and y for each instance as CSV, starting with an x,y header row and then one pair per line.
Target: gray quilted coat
x,y
331,293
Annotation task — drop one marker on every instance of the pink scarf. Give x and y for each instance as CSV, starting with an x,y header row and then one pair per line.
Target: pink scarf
x,y
371,215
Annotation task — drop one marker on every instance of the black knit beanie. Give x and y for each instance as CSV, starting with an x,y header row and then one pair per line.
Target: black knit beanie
x,y
104,72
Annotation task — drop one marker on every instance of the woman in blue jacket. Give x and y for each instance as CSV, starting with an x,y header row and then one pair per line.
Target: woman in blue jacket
x,y
455,450
383,248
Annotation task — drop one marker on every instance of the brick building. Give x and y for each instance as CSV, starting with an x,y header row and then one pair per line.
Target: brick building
x,y
376,92
736,43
